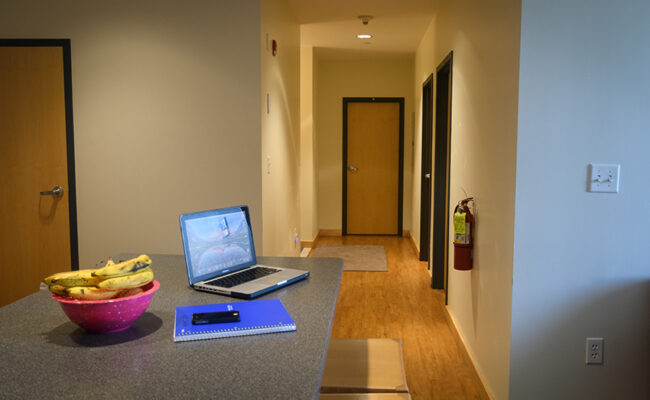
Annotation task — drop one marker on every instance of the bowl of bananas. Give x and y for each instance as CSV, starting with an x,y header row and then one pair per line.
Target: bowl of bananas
x,y
107,299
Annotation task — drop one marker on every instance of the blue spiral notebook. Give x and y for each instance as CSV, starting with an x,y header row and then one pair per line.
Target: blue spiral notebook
x,y
256,317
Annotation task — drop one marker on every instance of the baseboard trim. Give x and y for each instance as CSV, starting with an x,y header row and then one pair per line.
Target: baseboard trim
x,y
307,243
469,354
414,244
310,243
330,232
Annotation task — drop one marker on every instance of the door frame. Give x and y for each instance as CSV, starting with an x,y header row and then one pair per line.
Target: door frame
x,y
426,168
440,245
400,189
69,128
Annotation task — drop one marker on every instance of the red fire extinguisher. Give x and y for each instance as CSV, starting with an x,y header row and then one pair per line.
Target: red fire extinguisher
x,y
463,235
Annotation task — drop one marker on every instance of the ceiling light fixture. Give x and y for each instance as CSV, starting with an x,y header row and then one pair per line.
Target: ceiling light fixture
x,y
364,36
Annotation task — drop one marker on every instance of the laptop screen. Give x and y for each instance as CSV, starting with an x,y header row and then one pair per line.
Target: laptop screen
x,y
217,242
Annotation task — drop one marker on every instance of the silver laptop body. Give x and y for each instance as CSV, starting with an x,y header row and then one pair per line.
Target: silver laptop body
x,y
218,246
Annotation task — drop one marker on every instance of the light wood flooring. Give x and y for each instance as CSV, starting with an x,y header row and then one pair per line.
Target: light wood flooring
x,y
401,304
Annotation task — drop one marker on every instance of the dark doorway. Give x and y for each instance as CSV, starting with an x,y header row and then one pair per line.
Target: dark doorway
x,y
425,176
441,175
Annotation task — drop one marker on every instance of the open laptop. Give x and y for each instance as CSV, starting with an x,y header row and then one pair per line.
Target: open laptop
x,y
220,255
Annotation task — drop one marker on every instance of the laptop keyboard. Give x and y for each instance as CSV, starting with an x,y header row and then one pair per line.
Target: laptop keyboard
x,y
242,277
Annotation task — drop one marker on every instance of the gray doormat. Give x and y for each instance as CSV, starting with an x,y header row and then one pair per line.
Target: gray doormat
x,y
355,257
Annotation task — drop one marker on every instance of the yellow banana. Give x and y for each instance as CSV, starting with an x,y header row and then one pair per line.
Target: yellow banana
x,y
82,277
90,293
129,281
57,289
49,279
124,268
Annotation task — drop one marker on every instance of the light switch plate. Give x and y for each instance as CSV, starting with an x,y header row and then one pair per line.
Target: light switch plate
x,y
604,177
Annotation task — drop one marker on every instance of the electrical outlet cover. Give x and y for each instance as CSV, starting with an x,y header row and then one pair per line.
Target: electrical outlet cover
x,y
594,350
604,178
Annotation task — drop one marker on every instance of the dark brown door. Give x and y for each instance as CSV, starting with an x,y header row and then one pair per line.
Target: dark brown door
x,y
35,228
426,178
441,174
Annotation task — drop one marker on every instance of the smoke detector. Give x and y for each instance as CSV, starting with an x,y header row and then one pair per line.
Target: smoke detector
x,y
365,19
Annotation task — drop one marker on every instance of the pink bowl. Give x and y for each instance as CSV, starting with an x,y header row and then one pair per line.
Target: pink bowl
x,y
108,316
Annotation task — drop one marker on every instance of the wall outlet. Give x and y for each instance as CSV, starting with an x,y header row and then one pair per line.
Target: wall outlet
x,y
604,177
594,350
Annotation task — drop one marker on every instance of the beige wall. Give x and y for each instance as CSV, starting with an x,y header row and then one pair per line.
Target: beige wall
x,y
485,41
308,151
166,97
280,157
424,67
356,78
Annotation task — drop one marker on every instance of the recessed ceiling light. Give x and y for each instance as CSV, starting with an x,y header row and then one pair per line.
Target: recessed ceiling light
x,y
364,36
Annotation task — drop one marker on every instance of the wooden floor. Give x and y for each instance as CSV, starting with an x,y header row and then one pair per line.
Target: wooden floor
x,y
401,304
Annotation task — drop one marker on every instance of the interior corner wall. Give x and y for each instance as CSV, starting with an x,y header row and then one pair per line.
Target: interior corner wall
x,y
315,174
423,67
308,160
581,266
165,100
389,77
280,158
484,38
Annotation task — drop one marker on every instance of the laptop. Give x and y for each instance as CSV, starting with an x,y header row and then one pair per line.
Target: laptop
x,y
220,255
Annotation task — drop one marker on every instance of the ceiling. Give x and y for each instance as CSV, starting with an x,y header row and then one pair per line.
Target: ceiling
x,y
397,26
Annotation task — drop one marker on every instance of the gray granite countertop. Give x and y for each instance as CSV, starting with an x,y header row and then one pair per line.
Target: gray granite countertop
x,y
45,355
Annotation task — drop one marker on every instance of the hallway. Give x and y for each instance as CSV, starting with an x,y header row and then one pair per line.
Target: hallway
x,y
400,304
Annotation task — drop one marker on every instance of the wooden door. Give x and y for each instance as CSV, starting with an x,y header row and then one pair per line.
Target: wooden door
x,y
373,141
35,234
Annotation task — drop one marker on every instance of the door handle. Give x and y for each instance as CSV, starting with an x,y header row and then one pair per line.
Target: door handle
x,y
57,191
352,168
428,176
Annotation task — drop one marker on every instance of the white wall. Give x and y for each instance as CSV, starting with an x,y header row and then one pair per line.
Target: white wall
x,y
386,77
581,266
424,66
280,158
308,150
484,38
166,99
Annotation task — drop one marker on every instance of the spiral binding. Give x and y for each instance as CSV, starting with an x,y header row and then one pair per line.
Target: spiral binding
x,y
236,331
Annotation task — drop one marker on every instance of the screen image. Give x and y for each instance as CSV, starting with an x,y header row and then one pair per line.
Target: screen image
x,y
218,242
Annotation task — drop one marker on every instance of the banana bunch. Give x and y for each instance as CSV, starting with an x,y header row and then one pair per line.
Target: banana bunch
x,y
110,281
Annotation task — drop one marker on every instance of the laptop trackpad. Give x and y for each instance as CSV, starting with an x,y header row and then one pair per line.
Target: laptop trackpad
x,y
254,287
278,277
